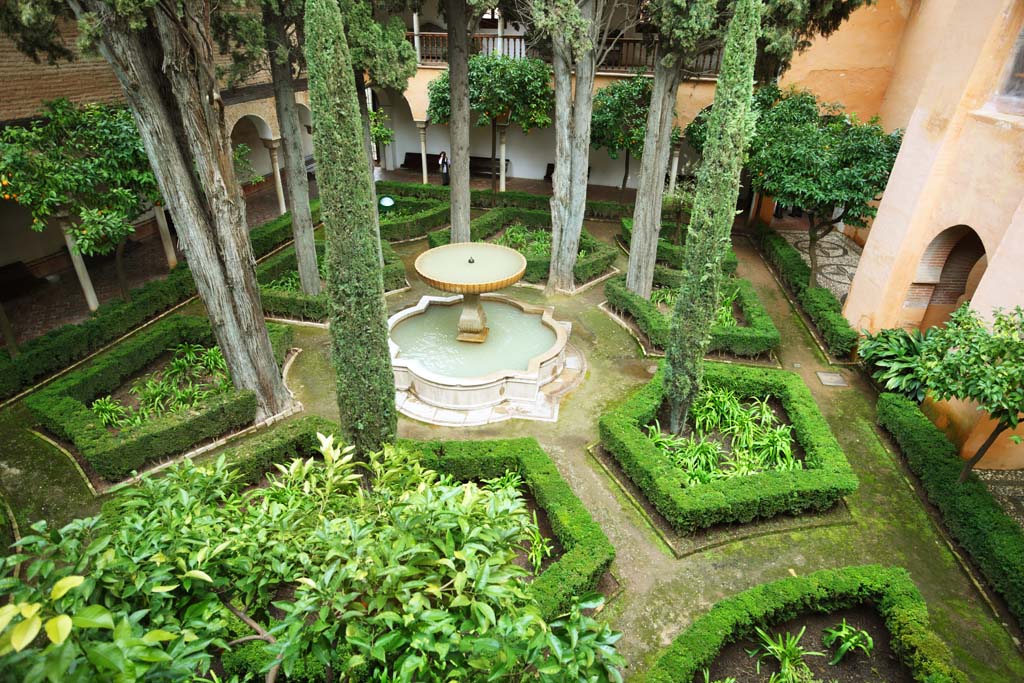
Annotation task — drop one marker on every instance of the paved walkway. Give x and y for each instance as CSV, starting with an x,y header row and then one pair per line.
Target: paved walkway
x,y
838,257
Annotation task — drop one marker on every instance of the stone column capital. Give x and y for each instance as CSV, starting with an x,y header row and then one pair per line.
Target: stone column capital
x,y
272,145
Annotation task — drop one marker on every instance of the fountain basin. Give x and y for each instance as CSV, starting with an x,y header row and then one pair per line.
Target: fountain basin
x,y
526,351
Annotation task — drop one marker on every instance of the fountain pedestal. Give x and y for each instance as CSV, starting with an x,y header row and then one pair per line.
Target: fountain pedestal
x,y
472,320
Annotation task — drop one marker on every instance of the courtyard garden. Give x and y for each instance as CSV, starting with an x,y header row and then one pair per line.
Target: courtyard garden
x,y
414,432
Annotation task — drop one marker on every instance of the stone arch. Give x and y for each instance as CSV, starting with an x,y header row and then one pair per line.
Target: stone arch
x,y
254,131
948,273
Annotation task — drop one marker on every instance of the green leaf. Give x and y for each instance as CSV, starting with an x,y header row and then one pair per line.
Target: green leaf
x,y
58,628
198,574
25,632
93,616
166,588
64,585
158,635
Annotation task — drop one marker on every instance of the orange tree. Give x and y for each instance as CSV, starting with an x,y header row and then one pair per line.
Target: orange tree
x,y
82,169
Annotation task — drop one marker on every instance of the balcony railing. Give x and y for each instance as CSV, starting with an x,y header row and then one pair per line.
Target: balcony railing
x,y
624,56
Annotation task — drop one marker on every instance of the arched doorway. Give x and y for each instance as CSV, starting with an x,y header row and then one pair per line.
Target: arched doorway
x,y
947,275
306,129
252,131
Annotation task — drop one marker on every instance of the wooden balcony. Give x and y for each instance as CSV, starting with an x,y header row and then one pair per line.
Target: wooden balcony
x,y
625,56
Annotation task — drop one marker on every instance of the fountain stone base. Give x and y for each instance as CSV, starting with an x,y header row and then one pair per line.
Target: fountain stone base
x,y
472,320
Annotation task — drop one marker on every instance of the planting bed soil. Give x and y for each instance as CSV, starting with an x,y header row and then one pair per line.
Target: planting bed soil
x,y
881,667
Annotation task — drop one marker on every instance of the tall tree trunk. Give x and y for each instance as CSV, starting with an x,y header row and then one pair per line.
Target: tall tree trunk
x,y
573,109
714,209
976,458
458,126
812,248
494,155
625,177
355,285
643,245
10,340
364,116
122,279
166,70
291,146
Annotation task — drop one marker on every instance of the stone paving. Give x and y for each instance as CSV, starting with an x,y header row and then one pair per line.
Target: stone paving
x,y
1007,487
838,257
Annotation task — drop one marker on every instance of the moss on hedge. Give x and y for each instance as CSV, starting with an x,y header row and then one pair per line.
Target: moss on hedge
x,y
826,477
972,515
820,304
890,590
63,407
758,336
597,257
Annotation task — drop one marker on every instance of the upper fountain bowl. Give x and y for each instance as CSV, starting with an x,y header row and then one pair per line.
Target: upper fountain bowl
x,y
470,267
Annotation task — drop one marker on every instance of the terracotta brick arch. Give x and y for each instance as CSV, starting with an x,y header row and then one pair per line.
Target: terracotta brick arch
x,y
948,272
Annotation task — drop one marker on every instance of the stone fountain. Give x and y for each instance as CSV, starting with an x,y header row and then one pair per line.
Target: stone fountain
x,y
478,357
471,269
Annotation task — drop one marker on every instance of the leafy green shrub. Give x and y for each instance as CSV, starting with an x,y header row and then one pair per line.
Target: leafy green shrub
x,y
758,336
64,345
889,589
595,257
972,515
891,356
820,304
827,476
62,408
786,651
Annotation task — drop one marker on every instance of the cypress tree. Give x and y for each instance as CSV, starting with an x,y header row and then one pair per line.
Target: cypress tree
x,y
355,285
714,208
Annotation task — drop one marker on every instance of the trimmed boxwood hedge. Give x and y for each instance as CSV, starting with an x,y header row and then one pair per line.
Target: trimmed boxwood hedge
x,y
588,552
970,513
598,257
820,304
889,589
423,215
758,336
486,199
827,476
299,306
64,345
671,254
63,407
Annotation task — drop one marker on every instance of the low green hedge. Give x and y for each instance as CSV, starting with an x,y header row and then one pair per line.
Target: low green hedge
x,y
422,215
889,589
486,199
671,254
820,304
827,476
587,551
64,345
595,259
300,306
63,407
758,336
969,511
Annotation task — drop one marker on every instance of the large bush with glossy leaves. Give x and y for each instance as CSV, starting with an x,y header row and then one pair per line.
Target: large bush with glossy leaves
x,y
402,575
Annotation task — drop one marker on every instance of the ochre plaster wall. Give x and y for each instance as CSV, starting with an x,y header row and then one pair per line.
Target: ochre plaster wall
x,y
854,65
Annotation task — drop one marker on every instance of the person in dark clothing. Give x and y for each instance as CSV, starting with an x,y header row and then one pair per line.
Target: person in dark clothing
x,y
443,164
